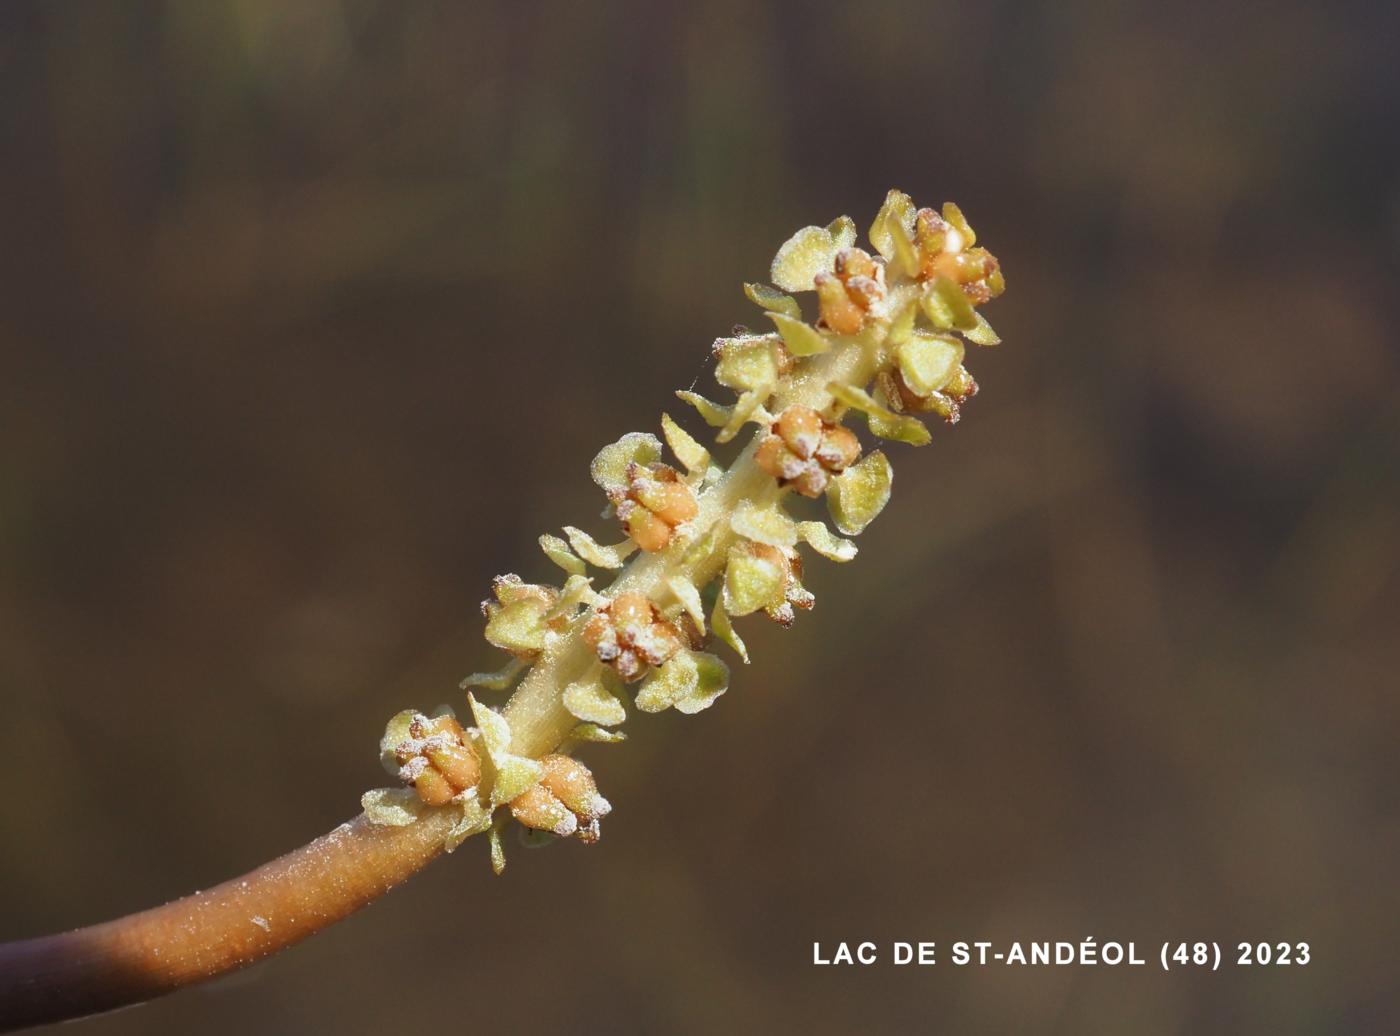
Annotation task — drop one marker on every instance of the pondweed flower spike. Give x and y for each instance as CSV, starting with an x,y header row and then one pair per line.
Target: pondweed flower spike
x,y
701,545
709,544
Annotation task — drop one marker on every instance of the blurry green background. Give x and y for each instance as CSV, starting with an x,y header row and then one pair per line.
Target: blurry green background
x,y
314,313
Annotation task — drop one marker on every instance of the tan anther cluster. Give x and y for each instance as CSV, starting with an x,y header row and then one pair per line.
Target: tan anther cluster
x,y
947,402
437,760
630,634
652,504
845,297
803,450
565,802
945,249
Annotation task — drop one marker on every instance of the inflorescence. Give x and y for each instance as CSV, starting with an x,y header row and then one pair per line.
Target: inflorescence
x,y
707,544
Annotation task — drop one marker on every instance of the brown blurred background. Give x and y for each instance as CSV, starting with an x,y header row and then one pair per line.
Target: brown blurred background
x,y
314,313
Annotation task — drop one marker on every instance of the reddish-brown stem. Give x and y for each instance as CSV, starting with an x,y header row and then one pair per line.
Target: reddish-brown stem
x,y
145,955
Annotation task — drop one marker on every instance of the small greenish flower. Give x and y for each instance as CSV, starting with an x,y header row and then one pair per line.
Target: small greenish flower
x,y
564,802
431,753
609,467
516,619
802,450
849,295
761,576
436,756
630,634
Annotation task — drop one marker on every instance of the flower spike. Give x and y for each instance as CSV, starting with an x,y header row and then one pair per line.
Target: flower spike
x,y
886,336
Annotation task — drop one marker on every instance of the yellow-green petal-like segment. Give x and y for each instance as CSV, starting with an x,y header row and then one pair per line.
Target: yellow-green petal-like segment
x,y
982,334
906,259
591,701
928,361
947,308
801,339
954,215
896,213
513,773
475,819
517,627
763,524
609,468
689,597
595,553
900,428
558,552
396,732
494,728
577,590
843,233
690,453
392,807
498,681
857,495
747,362
749,407
883,422
812,250
711,680
592,732
773,300
713,414
689,682
724,629
825,542
498,851
751,583
902,325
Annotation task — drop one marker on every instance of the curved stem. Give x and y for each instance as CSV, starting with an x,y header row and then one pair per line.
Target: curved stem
x,y
146,955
